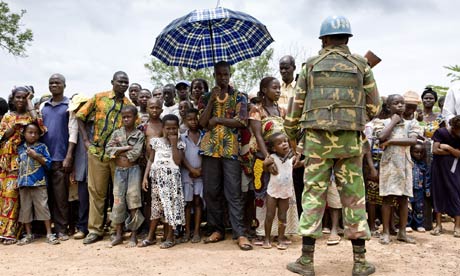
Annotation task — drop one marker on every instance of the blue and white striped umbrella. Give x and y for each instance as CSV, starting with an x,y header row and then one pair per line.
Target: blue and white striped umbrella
x,y
204,37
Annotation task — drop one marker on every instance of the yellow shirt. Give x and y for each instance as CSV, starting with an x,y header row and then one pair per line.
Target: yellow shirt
x,y
287,92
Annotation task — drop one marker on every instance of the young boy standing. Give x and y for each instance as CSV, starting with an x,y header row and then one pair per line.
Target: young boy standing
x,y
125,146
34,160
142,99
192,181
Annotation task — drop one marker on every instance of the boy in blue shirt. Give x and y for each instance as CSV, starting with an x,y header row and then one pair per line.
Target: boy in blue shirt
x,y
34,160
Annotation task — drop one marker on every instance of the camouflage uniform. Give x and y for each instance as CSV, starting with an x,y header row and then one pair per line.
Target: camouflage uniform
x,y
333,118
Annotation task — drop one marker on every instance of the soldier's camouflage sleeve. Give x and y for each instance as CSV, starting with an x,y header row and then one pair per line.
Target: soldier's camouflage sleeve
x,y
372,94
295,107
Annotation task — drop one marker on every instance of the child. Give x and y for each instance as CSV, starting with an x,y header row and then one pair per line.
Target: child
x,y
199,87
280,188
396,135
125,146
34,160
163,169
445,172
142,100
192,182
183,107
421,187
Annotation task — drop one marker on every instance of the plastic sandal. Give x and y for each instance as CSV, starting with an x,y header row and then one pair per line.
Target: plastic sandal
x,y
26,240
51,239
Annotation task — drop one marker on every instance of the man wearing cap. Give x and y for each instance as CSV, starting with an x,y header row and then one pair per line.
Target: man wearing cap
x,y
335,95
182,88
56,118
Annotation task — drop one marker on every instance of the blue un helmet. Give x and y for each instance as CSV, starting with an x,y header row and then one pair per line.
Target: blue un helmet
x,y
334,25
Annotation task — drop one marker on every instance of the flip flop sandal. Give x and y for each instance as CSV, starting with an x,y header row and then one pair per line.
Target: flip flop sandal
x,y
26,240
436,231
51,239
196,238
244,245
145,243
456,234
406,239
9,241
167,244
215,237
333,240
269,246
282,246
184,239
384,240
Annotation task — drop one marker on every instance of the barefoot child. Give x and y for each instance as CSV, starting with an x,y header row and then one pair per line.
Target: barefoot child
x,y
280,188
34,160
396,135
125,146
192,181
164,172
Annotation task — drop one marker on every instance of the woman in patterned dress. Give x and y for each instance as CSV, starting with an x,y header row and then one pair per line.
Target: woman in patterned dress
x,y
265,119
11,128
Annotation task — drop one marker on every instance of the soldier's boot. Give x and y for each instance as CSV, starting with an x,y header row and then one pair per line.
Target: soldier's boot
x,y
361,267
304,264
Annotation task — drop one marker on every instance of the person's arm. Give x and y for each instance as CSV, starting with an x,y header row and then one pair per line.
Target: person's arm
x,y
195,172
453,151
372,94
67,164
177,154
82,116
112,148
448,110
386,131
207,112
135,152
401,142
437,150
145,181
374,174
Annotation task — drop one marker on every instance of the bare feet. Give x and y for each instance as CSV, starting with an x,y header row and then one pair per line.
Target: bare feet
x,y
384,239
132,242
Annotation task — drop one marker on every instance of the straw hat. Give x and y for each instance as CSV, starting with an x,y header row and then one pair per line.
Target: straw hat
x,y
411,97
76,101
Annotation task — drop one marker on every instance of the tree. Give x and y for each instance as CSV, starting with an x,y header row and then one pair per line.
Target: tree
x,y
454,73
12,38
245,74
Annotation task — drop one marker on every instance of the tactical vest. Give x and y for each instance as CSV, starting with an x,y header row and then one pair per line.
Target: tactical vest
x,y
335,97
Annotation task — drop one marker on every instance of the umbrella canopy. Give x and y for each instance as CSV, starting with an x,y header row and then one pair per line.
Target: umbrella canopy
x,y
204,37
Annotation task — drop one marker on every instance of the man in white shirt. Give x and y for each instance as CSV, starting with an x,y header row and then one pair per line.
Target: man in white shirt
x,y
452,103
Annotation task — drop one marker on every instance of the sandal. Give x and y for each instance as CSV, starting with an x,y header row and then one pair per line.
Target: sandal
x,y
9,241
244,244
196,238
167,244
26,240
51,239
437,231
146,242
406,239
185,239
333,240
282,246
456,233
215,237
384,239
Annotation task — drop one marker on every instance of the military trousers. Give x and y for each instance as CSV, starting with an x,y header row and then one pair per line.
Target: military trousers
x,y
350,184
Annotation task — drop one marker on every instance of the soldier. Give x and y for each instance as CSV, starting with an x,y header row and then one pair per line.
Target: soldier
x,y
334,93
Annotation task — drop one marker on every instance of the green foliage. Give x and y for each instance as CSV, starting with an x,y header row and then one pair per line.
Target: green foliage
x,y
12,38
454,73
162,74
245,74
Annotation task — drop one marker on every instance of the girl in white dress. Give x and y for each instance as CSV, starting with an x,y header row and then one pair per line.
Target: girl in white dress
x,y
280,188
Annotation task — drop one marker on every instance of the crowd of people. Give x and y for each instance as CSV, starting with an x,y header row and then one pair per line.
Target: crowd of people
x,y
184,154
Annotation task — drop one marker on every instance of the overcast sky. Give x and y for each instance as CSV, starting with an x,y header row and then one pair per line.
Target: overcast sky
x,y
87,40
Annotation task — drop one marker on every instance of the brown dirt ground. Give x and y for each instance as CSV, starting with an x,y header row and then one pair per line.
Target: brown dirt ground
x,y
430,257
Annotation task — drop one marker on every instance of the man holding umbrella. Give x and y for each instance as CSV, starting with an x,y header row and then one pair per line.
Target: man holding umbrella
x,y
335,95
225,113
